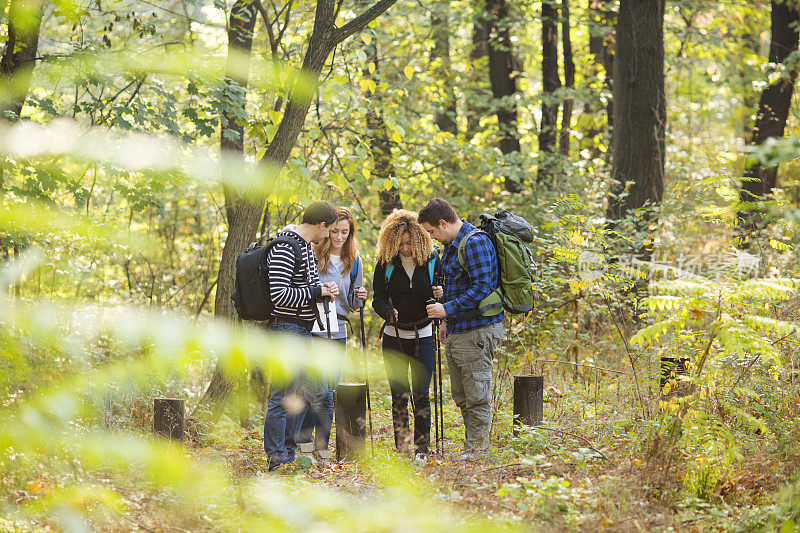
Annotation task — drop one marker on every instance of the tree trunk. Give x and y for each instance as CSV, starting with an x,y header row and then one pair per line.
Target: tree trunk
x,y
602,24
503,80
773,111
378,138
478,93
232,119
550,83
640,118
19,56
569,79
244,212
446,115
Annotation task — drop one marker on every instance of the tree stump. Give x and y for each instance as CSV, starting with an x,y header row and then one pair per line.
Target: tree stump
x,y
671,367
351,416
528,401
169,417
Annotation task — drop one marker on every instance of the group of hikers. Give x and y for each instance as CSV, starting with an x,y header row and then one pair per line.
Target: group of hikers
x,y
413,289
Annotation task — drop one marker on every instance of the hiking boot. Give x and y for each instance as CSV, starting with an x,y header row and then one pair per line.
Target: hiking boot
x,y
467,455
305,454
274,464
324,458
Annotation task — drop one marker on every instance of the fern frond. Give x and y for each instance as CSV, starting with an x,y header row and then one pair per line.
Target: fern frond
x,y
653,332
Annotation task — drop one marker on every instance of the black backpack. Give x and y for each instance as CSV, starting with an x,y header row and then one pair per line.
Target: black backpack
x,y
251,284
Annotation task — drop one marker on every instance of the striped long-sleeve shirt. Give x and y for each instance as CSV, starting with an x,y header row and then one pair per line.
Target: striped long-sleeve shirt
x,y
293,293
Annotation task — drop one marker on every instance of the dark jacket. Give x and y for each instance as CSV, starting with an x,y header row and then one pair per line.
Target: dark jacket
x,y
409,302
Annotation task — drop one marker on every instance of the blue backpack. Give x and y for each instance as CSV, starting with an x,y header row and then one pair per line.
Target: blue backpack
x,y
431,266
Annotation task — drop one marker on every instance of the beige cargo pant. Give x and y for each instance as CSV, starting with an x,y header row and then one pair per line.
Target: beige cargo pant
x,y
469,357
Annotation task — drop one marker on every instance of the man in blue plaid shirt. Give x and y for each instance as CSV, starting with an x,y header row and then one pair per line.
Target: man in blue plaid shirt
x,y
470,329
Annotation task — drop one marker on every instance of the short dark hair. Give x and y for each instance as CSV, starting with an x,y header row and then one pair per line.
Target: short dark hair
x,y
318,212
436,210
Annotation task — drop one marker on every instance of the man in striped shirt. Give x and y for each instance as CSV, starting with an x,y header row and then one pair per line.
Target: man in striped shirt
x,y
470,334
295,289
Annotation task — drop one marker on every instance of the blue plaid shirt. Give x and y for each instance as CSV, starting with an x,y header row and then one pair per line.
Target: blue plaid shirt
x,y
463,291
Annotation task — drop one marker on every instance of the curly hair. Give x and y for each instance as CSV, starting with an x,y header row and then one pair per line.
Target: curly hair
x,y
349,252
393,228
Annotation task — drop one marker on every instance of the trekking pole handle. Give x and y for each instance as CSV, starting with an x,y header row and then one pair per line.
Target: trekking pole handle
x,y
359,302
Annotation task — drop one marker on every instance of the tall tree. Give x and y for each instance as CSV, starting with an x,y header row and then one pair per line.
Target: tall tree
x,y
550,83
478,92
601,44
503,74
569,79
445,118
639,117
773,111
243,221
233,115
19,55
377,136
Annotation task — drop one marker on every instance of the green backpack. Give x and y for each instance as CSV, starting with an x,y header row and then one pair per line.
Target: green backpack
x,y
509,233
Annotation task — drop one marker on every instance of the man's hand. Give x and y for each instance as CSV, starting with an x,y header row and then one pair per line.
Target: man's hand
x,y
443,332
438,291
330,290
435,310
360,293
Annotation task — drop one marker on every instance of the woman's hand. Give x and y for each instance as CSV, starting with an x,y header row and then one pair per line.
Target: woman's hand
x,y
360,293
438,291
330,289
393,316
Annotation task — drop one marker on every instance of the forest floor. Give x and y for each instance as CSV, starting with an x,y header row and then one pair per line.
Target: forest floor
x,y
584,469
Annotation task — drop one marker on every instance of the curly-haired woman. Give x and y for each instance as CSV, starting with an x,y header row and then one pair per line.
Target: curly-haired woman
x,y
339,262
403,284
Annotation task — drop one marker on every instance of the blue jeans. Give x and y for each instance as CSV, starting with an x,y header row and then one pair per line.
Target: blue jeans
x,y
317,424
401,358
281,426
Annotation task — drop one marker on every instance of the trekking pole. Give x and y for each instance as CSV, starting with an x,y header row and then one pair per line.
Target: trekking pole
x,y
366,377
440,283
435,383
326,307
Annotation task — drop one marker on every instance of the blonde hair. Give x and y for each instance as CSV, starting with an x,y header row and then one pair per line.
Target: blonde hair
x,y
349,249
393,228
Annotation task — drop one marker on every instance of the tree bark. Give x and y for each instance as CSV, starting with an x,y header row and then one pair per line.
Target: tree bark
x,y
569,79
601,45
19,56
773,111
550,83
640,118
478,94
602,24
446,115
378,138
232,120
503,80
245,211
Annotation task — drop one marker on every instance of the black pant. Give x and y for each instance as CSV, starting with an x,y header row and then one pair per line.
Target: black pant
x,y
398,359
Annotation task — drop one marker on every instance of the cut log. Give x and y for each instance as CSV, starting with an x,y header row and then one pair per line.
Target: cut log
x,y
671,368
169,417
528,400
351,416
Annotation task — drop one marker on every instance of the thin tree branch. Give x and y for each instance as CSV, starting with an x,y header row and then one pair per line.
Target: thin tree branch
x,y
358,23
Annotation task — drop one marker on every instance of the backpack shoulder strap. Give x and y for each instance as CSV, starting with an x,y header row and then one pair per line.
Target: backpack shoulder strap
x,y
431,267
463,245
389,270
354,272
291,241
